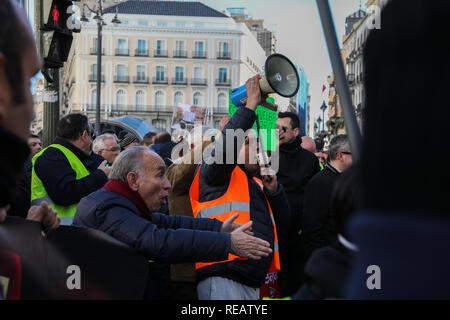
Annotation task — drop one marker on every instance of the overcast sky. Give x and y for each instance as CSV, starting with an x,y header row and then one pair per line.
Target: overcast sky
x,y
299,34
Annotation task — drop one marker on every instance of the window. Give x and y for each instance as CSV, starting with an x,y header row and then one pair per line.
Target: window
x,y
198,72
179,74
222,101
121,73
142,23
159,99
94,72
199,50
140,73
224,50
160,124
179,48
197,99
222,75
160,48
161,24
140,100
160,73
178,97
120,99
142,47
199,25
122,44
180,24
93,103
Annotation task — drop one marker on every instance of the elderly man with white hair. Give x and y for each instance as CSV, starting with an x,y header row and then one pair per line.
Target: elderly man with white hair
x,y
106,146
126,208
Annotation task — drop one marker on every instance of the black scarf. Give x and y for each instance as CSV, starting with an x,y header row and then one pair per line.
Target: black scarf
x,y
15,152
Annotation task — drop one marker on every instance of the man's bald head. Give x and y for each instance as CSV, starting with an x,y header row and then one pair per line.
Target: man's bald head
x,y
308,144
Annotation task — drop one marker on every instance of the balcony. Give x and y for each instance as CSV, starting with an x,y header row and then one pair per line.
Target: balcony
x,y
93,78
141,53
122,52
160,80
160,53
180,54
224,55
220,110
198,82
179,81
223,82
199,55
141,79
121,79
94,51
351,78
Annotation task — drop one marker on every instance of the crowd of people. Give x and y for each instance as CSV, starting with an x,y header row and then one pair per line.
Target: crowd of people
x,y
222,229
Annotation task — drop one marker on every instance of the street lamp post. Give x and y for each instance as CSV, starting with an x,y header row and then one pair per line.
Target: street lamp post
x,y
323,107
98,17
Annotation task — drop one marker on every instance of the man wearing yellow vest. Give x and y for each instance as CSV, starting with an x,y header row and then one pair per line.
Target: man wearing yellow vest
x,y
67,170
225,185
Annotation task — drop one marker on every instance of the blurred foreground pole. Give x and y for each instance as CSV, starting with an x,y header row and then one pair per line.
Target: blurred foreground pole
x,y
329,31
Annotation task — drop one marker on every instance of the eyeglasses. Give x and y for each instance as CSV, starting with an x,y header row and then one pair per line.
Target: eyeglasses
x,y
114,149
283,128
345,152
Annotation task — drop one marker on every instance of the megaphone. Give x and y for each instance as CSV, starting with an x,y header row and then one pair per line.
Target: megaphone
x,y
280,76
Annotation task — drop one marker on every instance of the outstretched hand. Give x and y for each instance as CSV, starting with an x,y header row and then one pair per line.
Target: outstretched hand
x,y
230,226
247,246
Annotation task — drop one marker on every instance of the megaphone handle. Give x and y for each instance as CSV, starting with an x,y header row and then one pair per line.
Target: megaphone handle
x,y
269,105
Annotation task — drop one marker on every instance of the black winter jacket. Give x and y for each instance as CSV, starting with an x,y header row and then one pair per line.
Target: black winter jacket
x,y
317,224
59,179
214,182
166,238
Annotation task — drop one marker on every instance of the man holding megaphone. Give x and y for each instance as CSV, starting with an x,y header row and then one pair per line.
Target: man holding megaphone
x,y
229,186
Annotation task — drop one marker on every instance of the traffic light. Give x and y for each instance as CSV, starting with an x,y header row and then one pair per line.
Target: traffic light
x,y
61,22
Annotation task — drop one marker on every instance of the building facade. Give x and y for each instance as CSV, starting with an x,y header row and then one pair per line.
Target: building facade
x,y
161,54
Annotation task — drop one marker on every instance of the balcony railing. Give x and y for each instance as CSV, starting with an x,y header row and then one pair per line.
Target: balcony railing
x,y
94,51
180,54
141,79
198,82
224,55
160,53
122,79
141,53
93,78
125,109
199,55
220,110
122,52
223,82
179,81
160,80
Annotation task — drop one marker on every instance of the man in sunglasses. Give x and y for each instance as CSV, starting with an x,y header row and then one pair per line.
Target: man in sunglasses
x,y
317,228
296,167
67,170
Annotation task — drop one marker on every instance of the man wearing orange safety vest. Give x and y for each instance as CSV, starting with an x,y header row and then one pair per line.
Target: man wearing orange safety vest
x,y
226,185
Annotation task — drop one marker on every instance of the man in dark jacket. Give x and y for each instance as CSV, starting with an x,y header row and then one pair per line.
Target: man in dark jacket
x,y
317,227
240,279
297,166
59,178
126,208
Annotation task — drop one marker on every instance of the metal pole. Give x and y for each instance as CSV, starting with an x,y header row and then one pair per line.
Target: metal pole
x,y
99,78
329,31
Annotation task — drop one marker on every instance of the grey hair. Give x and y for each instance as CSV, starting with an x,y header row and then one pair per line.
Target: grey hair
x,y
128,161
99,142
338,144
